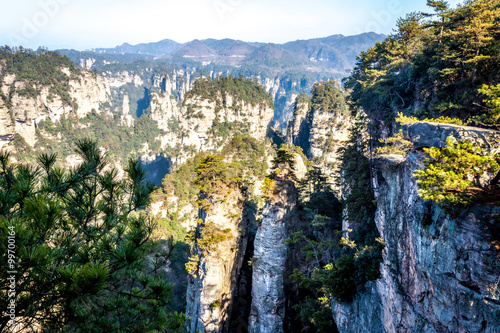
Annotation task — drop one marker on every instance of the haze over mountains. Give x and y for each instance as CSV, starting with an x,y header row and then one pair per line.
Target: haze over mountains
x,y
285,70
336,53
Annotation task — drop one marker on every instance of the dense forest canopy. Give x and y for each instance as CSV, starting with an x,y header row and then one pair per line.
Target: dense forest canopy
x,y
241,89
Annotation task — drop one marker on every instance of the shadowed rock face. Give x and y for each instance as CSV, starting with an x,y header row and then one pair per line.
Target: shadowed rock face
x,y
440,273
210,293
268,297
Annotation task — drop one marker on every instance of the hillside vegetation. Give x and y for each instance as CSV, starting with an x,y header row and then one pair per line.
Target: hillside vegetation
x,y
37,69
240,89
436,64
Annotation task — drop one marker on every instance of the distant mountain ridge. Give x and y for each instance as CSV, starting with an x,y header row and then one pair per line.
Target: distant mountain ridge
x,y
163,47
335,53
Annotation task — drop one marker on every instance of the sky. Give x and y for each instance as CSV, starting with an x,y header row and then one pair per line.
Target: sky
x,y
87,24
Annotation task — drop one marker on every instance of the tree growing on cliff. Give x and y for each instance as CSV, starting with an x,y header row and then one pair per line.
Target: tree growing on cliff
x,y
453,171
284,163
433,65
83,259
492,100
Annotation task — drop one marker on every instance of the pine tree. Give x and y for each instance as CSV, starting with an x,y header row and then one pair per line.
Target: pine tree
x,y
451,171
83,253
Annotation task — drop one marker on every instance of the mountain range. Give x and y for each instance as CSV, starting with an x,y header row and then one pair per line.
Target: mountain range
x,y
336,53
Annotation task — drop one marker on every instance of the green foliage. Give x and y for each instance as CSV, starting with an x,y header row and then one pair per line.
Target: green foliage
x,y
349,270
20,144
240,89
302,99
186,181
119,140
403,120
192,265
359,201
210,236
327,97
318,200
214,177
181,181
84,256
284,163
367,262
453,171
317,313
394,145
249,153
268,188
333,266
432,65
38,69
492,101
338,278
222,130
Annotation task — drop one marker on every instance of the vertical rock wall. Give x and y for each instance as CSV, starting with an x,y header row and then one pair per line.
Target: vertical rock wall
x,y
269,263
440,273
210,293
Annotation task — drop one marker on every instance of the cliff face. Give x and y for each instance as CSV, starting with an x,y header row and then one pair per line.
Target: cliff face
x,y
202,124
320,130
440,273
24,112
269,263
210,292
299,127
328,132
243,283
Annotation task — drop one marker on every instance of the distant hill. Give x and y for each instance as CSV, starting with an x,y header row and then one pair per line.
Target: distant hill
x,y
161,48
336,53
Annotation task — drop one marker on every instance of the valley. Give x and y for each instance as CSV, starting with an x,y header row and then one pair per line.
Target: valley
x,y
338,184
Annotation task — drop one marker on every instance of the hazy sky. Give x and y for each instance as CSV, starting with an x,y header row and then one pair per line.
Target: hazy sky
x,y
85,24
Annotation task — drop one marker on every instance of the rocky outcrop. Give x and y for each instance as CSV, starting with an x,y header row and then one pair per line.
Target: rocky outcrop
x,y
328,132
200,124
425,134
299,127
210,292
23,113
269,263
320,133
6,124
440,273
119,79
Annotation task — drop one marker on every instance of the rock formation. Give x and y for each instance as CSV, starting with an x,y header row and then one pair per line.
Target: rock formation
x,y
440,273
269,263
210,291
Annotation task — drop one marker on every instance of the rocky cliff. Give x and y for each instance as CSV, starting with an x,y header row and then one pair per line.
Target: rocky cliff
x,y
243,282
211,288
440,273
328,132
23,112
269,263
320,126
203,125
299,127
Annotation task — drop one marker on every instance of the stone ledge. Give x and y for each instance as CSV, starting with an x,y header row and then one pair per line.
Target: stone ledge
x,y
425,135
